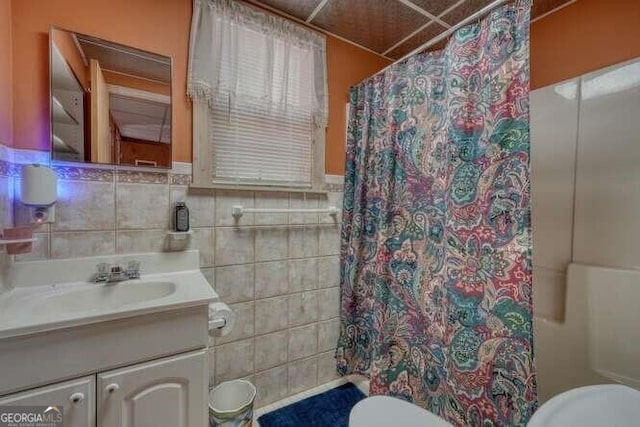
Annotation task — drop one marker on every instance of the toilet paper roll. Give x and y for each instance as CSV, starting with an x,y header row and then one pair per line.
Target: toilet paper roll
x,y
221,319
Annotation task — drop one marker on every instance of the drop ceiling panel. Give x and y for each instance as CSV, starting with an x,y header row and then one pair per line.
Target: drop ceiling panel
x,y
381,24
465,9
375,24
126,60
416,41
435,7
298,8
141,119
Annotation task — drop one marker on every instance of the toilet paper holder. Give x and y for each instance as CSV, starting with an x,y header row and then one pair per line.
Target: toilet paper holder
x,y
217,323
221,319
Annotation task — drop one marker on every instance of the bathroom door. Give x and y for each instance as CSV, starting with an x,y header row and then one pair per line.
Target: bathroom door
x,y
101,147
170,392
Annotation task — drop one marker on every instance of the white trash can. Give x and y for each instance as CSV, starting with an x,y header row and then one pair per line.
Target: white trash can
x,y
231,404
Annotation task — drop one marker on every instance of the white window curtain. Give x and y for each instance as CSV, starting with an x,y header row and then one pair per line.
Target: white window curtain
x,y
263,79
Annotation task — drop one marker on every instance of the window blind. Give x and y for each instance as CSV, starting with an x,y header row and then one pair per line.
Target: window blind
x,y
261,119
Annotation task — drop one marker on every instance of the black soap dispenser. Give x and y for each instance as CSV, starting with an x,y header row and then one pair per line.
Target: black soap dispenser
x,y
181,217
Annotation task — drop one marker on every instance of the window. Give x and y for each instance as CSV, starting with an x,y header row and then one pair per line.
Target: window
x,y
258,84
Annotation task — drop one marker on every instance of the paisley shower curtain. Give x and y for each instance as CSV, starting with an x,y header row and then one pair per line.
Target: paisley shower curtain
x,y
436,273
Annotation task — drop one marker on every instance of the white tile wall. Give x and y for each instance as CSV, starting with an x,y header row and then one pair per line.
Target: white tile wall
x,y
272,385
234,246
326,367
303,274
234,360
277,266
303,241
328,334
277,272
272,314
272,279
303,341
235,283
270,351
80,243
141,206
86,207
272,243
303,375
303,308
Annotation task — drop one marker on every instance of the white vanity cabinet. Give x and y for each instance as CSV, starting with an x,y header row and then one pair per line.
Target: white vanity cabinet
x,y
77,397
132,354
169,392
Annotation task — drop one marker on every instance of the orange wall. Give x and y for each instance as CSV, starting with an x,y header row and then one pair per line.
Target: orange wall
x,y
160,26
347,65
582,37
5,72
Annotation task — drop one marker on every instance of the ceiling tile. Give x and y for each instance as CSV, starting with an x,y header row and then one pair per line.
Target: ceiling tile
x,y
376,24
465,9
419,39
540,7
298,8
434,7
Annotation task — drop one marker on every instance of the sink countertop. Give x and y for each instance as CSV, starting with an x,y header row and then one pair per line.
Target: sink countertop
x,y
33,309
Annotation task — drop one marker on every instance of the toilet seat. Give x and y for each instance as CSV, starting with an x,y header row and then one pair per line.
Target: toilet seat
x,y
610,405
385,411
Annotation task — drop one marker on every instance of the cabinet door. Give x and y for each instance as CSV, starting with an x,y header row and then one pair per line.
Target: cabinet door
x,y
77,397
170,392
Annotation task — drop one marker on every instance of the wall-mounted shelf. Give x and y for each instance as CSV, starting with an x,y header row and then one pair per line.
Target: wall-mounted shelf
x,y
60,146
60,114
14,241
179,235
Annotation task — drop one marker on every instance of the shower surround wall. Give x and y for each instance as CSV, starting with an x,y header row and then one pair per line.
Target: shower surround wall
x,y
278,272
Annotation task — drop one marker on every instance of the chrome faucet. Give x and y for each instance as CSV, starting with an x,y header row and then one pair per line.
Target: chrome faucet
x,y
107,273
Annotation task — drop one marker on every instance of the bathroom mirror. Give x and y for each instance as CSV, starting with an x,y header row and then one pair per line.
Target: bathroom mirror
x,y
110,103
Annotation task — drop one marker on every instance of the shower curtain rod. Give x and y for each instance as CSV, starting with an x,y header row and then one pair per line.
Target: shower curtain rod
x,y
480,13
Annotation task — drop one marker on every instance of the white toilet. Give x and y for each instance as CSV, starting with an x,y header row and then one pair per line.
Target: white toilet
x,y
610,405
384,411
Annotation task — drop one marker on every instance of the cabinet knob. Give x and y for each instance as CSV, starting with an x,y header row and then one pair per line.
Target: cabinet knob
x,y
112,388
76,398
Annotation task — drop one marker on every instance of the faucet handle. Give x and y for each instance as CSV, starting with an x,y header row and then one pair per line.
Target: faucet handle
x,y
103,270
133,269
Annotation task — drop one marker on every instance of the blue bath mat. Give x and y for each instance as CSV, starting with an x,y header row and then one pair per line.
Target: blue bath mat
x,y
328,409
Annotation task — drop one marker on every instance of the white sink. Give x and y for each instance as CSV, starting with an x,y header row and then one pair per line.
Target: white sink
x,y
42,300
109,295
